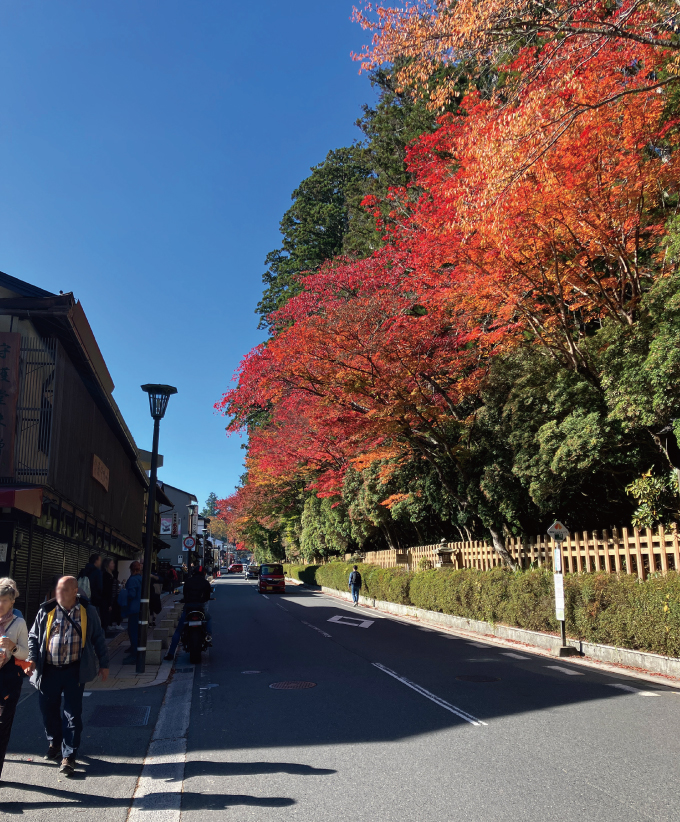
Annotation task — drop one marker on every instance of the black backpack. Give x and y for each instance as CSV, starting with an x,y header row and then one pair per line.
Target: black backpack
x,y
355,578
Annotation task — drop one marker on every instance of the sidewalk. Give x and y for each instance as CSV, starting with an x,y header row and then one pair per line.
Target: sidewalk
x,y
122,677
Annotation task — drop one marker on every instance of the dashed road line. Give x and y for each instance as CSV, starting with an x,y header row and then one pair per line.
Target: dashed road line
x,y
309,625
515,656
565,670
432,697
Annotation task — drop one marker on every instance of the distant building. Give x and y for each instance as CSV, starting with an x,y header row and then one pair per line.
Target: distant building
x,y
175,524
70,478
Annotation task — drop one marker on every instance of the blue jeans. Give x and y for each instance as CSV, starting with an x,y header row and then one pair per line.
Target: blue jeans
x,y
355,592
64,728
182,620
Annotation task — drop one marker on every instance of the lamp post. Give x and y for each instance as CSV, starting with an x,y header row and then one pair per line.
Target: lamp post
x,y
158,402
204,531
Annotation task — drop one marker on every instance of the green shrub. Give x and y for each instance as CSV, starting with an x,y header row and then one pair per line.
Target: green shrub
x,y
601,608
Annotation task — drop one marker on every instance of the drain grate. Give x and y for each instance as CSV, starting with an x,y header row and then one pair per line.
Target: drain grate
x,y
292,686
475,678
120,716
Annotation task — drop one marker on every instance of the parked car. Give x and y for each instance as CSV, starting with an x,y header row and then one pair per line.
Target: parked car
x,y
251,571
235,568
271,578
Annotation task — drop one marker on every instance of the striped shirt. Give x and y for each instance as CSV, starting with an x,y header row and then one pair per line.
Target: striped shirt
x,y
64,644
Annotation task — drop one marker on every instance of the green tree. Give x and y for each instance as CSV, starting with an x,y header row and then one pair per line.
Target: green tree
x,y
210,508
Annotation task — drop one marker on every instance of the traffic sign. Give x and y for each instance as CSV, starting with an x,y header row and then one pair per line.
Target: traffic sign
x,y
188,544
558,531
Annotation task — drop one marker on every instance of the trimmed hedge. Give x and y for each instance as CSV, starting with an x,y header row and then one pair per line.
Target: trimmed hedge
x,y
602,608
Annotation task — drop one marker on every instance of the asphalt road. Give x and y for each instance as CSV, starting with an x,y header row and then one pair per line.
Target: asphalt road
x,y
540,740
402,723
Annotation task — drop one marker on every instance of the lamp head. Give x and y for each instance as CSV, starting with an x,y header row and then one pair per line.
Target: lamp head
x,y
158,398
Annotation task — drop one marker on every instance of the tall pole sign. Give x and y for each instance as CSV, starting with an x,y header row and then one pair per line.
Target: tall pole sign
x,y
559,532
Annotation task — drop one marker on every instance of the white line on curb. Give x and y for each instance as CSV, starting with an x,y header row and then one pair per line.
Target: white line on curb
x,y
165,760
436,699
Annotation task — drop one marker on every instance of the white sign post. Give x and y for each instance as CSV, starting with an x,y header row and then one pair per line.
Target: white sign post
x,y
559,532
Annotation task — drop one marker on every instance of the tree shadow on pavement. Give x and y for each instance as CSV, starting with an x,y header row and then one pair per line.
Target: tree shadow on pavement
x,y
56,798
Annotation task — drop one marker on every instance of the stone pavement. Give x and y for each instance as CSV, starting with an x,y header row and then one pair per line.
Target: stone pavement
x,y
122,677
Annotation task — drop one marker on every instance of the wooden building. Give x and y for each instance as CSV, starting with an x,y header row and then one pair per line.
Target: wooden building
x,y
70,478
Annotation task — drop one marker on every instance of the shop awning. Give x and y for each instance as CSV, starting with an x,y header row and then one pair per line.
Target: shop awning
x,y
25,499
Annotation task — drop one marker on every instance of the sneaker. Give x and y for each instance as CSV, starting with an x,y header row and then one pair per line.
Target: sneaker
x,y
68,765
53,752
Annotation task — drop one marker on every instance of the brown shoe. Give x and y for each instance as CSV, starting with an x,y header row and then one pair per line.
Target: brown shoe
x,y
53,752
68,765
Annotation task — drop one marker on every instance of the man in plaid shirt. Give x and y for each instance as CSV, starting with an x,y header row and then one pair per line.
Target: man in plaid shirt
x,y
62,645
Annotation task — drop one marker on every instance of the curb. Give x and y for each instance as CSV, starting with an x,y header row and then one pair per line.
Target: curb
x,y
640,664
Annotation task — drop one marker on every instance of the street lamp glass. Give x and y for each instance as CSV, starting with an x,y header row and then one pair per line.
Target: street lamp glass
x,y
158,398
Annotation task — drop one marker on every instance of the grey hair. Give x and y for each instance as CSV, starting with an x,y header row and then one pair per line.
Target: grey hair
x,y
8,588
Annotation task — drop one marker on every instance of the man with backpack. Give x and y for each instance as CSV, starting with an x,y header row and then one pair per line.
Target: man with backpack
x,y
90,580
355,585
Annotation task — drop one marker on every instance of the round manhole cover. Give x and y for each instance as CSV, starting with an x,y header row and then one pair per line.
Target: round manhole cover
x,y
478,678
292,686
251,672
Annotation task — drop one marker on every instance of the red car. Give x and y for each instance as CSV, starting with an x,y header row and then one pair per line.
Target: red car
x,y
235,568
271,578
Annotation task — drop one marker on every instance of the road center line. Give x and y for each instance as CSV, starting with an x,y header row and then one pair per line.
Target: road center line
x,y
432,697
309,624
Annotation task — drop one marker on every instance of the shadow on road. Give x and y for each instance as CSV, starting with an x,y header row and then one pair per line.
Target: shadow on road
x,y
56,798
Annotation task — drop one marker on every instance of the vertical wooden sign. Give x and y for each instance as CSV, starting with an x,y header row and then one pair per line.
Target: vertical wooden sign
x,y
10,348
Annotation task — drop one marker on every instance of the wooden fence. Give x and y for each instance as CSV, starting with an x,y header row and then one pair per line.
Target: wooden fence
x,y
628,551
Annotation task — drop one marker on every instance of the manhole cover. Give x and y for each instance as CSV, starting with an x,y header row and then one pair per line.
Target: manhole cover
x,y
292,686
118,716
474,678
251,672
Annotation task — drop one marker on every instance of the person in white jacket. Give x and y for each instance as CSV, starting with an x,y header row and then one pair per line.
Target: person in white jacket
x,y
13,646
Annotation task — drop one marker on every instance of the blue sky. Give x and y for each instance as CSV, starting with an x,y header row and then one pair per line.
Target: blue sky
x,y
147,153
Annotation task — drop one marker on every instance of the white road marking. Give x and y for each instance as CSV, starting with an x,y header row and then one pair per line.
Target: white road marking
x,y
436,699
515,656
265,596
309,624
631,690
479,645
355,623
165,759
565,670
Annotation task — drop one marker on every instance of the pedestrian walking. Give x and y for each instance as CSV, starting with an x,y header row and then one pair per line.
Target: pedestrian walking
x,y
90,580
64,646
133,588
116,615
355,585
106,608
13,646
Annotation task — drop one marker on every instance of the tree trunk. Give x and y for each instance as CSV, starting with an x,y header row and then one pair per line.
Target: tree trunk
x,y
501,550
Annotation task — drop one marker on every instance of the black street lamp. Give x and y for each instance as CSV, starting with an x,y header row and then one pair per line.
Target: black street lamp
x,y
158,402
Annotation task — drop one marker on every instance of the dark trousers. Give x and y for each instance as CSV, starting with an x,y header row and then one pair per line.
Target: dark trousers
x,y
11,679
133,631
105,615
62,728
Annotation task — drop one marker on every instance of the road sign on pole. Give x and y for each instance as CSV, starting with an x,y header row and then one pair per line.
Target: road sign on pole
x,y
559,532
188,544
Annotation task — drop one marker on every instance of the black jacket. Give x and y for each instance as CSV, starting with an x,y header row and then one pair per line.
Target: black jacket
x,y
107,588
95,577
197,589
